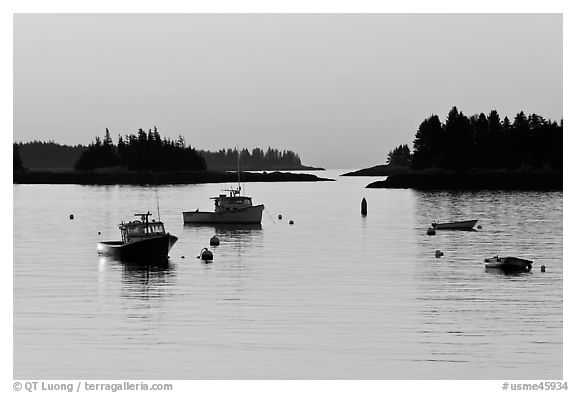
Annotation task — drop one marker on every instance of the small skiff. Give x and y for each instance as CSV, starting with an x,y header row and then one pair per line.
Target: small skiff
x,y
459,225
512,263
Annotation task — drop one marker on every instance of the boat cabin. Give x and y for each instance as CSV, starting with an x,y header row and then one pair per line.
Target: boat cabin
x,y
232,201
141,229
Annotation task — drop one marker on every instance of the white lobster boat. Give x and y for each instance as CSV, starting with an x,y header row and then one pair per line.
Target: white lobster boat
x,y
231,208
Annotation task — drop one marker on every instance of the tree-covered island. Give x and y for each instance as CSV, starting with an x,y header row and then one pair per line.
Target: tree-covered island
x,y
476,152
146,157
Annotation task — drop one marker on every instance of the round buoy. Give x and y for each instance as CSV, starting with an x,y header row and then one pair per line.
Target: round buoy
x,y
71,216
542,268
182,257
206,255
279,216
291,222
431,231
439,253
98,232
479,227
214,241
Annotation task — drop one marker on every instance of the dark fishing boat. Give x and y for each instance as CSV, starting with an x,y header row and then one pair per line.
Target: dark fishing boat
x,y
140,238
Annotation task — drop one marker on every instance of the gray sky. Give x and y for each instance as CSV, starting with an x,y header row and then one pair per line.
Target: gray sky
x,y
341,90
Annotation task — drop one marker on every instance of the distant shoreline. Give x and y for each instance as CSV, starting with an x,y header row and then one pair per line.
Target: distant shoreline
x,y
111,177
380,170
489,180
267,169
48,156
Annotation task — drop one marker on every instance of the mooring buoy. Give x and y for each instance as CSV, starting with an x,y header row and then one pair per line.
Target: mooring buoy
x,y
364,207
71,216
291,222
98,232
206,255
542,268
279,216
214,241
439,253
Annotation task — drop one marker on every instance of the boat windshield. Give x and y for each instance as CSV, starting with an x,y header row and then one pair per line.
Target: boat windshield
x,y
135,230
156,228
138,228
233,202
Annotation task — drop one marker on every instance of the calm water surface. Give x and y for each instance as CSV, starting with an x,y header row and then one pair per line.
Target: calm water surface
x,y
334,296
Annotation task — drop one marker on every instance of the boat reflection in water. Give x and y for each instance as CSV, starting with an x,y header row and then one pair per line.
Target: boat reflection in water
x,y
508,272
234,231
239,236
142,277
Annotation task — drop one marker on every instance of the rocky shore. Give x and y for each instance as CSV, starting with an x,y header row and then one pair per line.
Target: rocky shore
x,y
380,170
498,180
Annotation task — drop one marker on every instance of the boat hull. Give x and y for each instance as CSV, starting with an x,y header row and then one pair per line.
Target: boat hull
x,y
153,247
460,225
510,263
251,215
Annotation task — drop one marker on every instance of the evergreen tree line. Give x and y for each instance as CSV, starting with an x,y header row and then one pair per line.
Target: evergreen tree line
x,y
51,155
487,142
141,151
16,160
400,156
227,159
45,155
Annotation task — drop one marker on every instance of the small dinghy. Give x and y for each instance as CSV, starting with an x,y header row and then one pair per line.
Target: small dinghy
x,y
510,263
457,225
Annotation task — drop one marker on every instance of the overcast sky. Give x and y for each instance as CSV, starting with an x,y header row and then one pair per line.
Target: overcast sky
x,y
341,90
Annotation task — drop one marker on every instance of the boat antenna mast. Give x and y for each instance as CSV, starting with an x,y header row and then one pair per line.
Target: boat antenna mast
x,y
157,203
238,168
